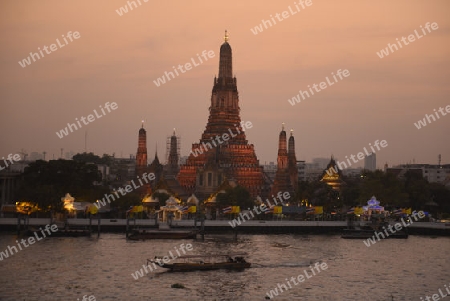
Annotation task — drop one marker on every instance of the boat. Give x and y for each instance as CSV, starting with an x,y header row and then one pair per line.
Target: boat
x,y
377,226
364,234
203,262
32,231
369,231
159,234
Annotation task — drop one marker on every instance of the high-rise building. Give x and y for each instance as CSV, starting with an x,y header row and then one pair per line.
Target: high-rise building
x,y
223,152
370,162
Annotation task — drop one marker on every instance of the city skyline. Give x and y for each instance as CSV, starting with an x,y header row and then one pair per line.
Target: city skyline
x,y
118,60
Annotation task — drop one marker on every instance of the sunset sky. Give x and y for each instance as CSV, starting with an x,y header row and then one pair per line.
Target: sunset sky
x,y
117,58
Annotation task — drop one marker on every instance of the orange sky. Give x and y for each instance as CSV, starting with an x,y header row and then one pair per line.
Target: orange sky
x,y
117,58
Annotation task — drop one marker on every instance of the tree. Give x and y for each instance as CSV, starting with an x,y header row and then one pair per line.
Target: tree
x,y
317,193
417,188
91,158
386,187
237,196
441,196
46,182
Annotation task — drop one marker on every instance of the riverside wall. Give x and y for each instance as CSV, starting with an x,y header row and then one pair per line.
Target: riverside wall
x,y
221,226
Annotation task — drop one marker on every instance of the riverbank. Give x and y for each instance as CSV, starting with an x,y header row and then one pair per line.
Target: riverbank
x,y
223,226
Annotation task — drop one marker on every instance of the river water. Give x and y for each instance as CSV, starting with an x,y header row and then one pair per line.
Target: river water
x,y
69,268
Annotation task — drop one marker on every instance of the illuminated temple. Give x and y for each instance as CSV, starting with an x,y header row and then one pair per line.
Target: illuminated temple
x,y
332,175
210,163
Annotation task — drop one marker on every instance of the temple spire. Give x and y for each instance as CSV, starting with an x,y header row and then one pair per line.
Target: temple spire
x,y
141,154
282,149
225,64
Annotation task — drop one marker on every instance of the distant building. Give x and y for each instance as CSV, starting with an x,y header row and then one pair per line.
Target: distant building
x,y
69,155
36,156
122,170
183,160
301,170
370,162
320,162
314,170
8,184
352,172
433,173
270,171
104,170
271,167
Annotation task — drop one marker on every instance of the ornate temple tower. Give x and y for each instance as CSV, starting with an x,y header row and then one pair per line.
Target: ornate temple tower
x,y
141,155
213,160
332,175
292,162
172,168
282,180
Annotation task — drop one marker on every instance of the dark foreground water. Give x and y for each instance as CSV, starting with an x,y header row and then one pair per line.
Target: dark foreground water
x,y
69,268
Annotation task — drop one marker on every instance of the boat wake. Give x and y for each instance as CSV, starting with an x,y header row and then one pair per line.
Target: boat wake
x,y
286,264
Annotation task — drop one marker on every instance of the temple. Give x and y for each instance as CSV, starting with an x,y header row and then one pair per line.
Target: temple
x,y
223,157
173,156
141,155
332,175
286,176
212,161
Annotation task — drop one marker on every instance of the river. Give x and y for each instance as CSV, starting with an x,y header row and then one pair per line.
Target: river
x,y
70,268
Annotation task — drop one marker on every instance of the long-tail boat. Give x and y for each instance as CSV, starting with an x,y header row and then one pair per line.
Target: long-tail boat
x,y
203,262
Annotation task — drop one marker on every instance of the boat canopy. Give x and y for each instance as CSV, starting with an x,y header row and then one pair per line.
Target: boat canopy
x,y
208,256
